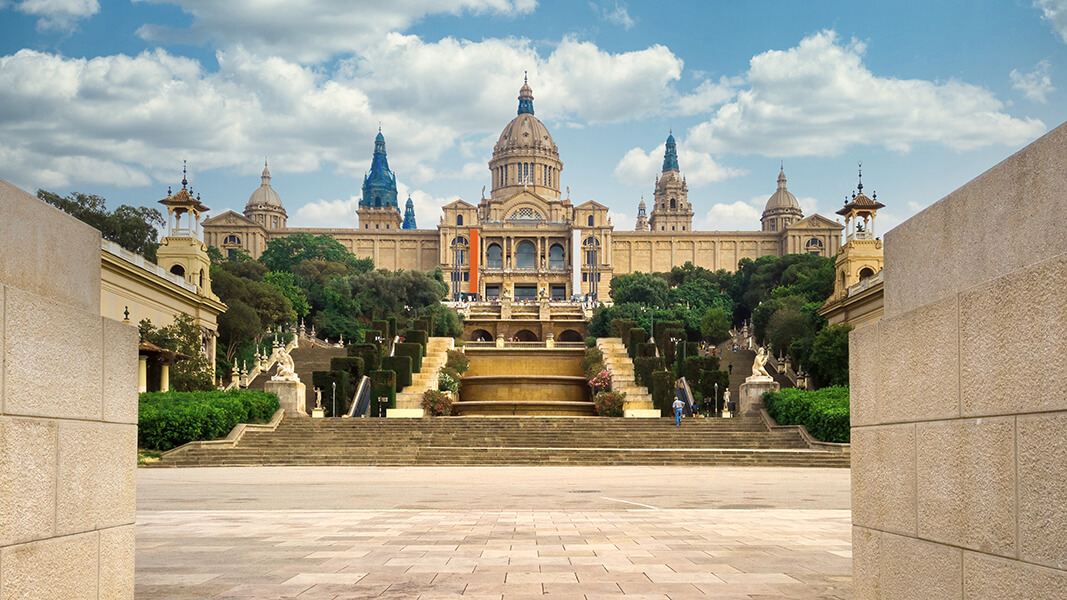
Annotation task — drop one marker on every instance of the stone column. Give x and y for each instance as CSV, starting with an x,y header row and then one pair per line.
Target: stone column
x,y
164,378
142,375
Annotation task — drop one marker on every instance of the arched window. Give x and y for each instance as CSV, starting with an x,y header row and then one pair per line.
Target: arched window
x,y
201,278
274,222
459,219
232,239
377,201
494,257
813,246
461,246
555,257
590,220
178,270
674,204
866,272
525,256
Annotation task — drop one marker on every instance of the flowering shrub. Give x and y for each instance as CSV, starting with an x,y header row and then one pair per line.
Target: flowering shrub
x,y
447,383
457,359
437,403
601,382
609,404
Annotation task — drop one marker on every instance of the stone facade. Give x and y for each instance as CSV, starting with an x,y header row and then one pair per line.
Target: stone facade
x,y
68,412
527,239
959,417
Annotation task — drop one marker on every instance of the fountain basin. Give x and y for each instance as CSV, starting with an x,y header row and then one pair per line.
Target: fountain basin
x,y
496,395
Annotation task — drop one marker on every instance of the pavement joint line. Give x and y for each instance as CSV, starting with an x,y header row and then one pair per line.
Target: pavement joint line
x,y
728,450
629,502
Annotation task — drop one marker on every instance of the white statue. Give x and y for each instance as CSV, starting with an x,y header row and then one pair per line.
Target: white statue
x,y
726,399
286,368
318,397
759,371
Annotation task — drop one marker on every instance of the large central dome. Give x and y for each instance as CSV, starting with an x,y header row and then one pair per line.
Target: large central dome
x,y
525,156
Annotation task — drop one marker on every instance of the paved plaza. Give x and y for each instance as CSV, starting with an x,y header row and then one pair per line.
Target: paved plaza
x,y
494,532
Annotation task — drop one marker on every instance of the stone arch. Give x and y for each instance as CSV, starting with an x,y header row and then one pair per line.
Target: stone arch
x,y
569,335
525,335
866,272
178,270
481,335
525,255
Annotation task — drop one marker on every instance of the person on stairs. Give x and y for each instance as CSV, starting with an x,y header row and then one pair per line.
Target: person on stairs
x,y
678,406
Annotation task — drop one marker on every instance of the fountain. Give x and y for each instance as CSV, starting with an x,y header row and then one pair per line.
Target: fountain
x,y
524,381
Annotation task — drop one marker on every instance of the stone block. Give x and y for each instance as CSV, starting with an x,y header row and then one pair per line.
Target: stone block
x,y
117,562
920,364
991,578
291,395
97,476
52,357
913,569
864,363
48,252
966,483
883,478
958,242
1043,488
120,371
750,397
64,567
1028,310
866,562
27,479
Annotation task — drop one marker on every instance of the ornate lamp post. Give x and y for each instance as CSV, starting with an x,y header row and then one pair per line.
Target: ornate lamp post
x,y
459,247
590,248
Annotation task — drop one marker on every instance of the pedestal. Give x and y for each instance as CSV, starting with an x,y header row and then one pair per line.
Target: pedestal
x,y
318,413
751,397
292,394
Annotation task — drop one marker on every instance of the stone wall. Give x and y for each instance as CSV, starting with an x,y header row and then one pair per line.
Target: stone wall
x,y
68,412
959,409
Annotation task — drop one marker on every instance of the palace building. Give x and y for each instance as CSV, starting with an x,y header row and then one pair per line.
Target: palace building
x,y
527,240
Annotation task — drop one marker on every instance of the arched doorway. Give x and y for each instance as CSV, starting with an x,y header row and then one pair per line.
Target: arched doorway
x,y
525,335
570,335
481,335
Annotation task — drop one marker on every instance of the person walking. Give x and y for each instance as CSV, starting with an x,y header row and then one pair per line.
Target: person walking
x,y
731,368
678,407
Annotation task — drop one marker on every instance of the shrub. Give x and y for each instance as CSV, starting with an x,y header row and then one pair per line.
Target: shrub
x,y
663,392
825,412
620,328
637,336
705,383
643,367
382,326
645,349
437,403
392,326
370,353
371,336
609,404
168,420
412,351
325,380
353,364
457,360
590,341
401,365
592,362
601,382
416,336
382,385
448,380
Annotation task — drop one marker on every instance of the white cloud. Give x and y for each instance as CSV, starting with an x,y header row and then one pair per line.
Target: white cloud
x,y
706,96
327,213
1036,84
639,168
819,98
622,221
312,30
739,216
808,205
1055,12
58,14
617,15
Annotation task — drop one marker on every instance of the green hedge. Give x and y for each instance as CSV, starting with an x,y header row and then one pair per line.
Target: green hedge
x,y
382,384
705,383
824,412
645,366
370,353
663,392
324,380
692,350
414,351
392,326
645,350
168,420
620,328
382,326
416,336
637,336
353,364
401,365
371,336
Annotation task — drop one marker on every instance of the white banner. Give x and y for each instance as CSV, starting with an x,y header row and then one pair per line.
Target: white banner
x,y
576,261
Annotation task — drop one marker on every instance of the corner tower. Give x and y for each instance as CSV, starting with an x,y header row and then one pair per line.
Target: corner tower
x,y
525,157
180,251
670,209
409,216
377,207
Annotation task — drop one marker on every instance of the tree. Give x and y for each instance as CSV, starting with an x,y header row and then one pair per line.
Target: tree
x,y
237,325
829,356
639,288
285,283
185,337
133,228
715,326
284,253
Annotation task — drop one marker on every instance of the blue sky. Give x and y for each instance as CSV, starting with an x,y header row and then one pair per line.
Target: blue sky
x,y
108,97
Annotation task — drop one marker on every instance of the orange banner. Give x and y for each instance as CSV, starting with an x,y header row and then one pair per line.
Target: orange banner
x,y
475,253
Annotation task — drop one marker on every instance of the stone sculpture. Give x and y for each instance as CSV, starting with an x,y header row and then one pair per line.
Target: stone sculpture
x,y
759,371
286,368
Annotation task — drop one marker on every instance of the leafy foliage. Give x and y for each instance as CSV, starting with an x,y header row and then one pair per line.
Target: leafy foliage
x,y
825,412
284,253
828,360
437,403
609,404
184,336
135,228
168,420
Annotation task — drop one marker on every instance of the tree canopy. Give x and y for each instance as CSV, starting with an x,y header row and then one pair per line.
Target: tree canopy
x,y
284,253
135,228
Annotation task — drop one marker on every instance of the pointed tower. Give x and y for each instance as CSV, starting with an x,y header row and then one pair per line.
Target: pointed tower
x,y
525,158
180,251
265,205
782,208
670,209
378,208
409,216
642,218
862,256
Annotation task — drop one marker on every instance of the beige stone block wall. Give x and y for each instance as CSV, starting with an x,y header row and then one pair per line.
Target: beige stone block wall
x,y
68,413
959,416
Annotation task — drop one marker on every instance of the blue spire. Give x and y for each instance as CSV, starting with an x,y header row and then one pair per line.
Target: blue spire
x,y
525,98
409,216
379,185
670,157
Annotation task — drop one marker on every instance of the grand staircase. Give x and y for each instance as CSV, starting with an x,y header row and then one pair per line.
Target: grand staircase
x,y
638,401
457,441
306,360
409,401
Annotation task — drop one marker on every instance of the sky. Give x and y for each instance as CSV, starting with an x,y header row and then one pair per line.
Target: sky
x,y
110,96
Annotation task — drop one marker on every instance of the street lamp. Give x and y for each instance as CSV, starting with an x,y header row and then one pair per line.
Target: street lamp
x,y
333,410
715,406
590,248
382,400
459,247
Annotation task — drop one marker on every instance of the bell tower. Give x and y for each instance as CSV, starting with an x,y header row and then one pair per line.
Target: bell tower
x,y
180,251
671,210
862,256
378,208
